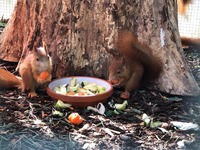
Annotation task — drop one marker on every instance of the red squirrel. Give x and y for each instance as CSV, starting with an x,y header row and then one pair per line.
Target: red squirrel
x,y
137,63
30,70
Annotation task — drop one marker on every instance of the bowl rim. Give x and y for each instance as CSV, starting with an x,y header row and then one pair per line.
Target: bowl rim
x,y
50,91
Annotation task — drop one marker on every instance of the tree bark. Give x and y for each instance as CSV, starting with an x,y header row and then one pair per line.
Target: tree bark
x,y
81,33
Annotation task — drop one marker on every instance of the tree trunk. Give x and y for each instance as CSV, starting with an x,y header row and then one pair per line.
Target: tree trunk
x,y
80,34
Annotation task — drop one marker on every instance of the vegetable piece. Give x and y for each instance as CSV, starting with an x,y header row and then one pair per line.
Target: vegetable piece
x,y
71,93
101,89
84,83
155,124
75,118
63,90
121,106
57,113
146,119
116,112
61,104
81,94
89,93
114,81
56,89
82,90
44,75
73,82
73,88
92,87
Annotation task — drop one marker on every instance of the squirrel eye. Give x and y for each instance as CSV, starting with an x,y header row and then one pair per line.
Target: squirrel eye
x,y
37,59
118,72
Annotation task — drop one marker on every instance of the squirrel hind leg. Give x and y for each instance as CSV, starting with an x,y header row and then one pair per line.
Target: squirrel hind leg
x,y
125,95
27,82
32,94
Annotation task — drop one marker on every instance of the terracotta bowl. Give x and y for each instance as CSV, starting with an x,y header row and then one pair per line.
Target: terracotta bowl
x,y
80,101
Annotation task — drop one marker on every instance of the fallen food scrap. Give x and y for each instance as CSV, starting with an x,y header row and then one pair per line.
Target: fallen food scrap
x,y
75,118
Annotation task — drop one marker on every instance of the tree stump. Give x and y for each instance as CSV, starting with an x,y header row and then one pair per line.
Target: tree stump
x,y
80,35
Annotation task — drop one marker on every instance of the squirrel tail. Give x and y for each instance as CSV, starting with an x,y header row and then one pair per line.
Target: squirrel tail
x,y
152,63
182,6
190,41
8,80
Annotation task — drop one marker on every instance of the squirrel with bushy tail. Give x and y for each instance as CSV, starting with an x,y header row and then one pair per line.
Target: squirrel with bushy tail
x,y
35,71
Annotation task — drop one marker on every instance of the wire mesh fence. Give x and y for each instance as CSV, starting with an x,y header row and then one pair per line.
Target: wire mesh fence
x,y
6,8
189,23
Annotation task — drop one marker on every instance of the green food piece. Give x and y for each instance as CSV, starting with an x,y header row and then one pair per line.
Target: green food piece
x,y
109,113
101,89
92,87
89,92
57,113
84,83
61,104
82,90
56,89
73,82
121,106
147,122
146,119
73,88
155,124
63,90
116,112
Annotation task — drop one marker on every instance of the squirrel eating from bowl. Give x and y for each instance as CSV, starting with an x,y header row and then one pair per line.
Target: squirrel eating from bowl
x,y
136,64
35,71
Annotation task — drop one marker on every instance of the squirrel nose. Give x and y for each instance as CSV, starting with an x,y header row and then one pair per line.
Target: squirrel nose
x,y
114,81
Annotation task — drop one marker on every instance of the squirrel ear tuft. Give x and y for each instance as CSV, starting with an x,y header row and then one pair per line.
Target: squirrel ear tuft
x,y
45,48
123,60
44,45
41,50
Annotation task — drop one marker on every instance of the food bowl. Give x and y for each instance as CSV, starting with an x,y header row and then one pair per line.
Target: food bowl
x,y
80,101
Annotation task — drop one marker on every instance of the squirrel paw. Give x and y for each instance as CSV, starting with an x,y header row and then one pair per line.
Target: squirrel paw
x,y
125,95
32,94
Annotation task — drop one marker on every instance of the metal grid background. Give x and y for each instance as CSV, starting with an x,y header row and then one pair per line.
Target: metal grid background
x,y
6,8
189,24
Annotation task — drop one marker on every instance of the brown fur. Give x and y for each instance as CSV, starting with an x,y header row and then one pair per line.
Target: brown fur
x,y
182,6
8,80
186,41
30,69
137,63
190,42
